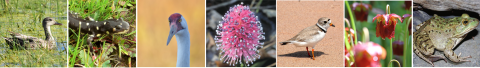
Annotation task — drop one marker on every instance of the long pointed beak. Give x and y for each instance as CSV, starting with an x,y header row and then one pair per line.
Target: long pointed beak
x,y
332,25
170,34
56,23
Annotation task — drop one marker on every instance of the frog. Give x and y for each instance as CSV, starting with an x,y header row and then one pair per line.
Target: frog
x,y
442,34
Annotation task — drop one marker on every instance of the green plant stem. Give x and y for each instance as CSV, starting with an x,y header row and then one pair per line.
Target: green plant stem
x,y
389,52
351,19
346,35
258,5
393,60
388,9
388,48
407,52
354,40
348,47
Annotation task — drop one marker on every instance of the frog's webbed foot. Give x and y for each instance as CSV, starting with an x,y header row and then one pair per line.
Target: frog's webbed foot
x,y
464,59
454,58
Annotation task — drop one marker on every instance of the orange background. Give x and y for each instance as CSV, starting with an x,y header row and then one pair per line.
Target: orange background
x,y
153,28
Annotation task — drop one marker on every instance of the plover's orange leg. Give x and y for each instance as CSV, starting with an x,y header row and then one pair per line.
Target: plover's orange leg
x,y
307,52
313,54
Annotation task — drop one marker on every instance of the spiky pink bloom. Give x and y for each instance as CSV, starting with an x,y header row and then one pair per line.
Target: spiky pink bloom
x,y
239,36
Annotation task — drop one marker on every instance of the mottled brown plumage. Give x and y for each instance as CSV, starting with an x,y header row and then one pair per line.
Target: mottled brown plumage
x,y
29,42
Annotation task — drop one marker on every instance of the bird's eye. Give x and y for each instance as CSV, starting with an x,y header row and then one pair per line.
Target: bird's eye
x,y
324,21
179,20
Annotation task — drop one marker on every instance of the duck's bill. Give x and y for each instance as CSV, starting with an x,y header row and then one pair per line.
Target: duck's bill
x,y
332,25
56,23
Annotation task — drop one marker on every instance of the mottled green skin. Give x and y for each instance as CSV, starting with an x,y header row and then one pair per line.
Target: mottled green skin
x,y
443,35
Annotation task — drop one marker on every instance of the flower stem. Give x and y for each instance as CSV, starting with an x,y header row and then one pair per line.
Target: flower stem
x,y
393,60
346,35
389,51
348,47
351,19
388,9
407,52
366,36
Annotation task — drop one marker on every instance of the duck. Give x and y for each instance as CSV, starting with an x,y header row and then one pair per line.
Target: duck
x,y
29,42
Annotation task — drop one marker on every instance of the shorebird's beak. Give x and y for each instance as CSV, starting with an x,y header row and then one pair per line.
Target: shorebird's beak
x,y
56,23
332,25
173,31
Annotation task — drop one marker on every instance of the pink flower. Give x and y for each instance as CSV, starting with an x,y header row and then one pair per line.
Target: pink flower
x,y
238,36
361,11
368,54
386,25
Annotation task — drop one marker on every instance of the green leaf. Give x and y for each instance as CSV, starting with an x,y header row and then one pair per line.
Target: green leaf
x,y
106,64
86,59
120,9
108,48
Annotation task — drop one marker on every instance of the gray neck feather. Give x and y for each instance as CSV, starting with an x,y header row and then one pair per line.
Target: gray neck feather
x,y
48,34
183,48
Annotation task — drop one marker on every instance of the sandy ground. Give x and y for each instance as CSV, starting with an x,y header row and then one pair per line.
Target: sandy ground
x,y
293,16
469,47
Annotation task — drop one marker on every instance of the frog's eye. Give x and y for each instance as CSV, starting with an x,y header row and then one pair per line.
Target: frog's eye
x,y
465,22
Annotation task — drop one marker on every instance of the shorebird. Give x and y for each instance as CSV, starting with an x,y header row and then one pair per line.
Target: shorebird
x,y
179,28
310,36
30,42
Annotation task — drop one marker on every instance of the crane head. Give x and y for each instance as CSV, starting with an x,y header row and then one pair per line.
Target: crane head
x,y
177,23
